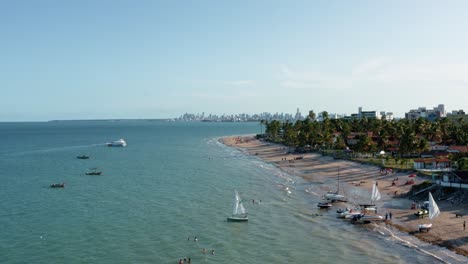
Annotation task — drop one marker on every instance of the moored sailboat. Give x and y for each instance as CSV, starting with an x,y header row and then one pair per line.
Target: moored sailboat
x,y
239,214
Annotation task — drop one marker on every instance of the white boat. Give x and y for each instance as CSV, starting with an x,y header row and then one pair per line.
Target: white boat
x,y
366,218
335,196
375,196
433,213
117,143
239,214
349,213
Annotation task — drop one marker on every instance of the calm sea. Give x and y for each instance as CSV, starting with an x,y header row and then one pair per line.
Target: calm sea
x,y
174,181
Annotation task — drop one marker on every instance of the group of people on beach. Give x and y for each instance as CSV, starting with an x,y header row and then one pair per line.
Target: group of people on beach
x,y
388,216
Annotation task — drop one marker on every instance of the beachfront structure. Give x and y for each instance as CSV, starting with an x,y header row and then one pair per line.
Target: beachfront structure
x,y
455,179
429,114
439,164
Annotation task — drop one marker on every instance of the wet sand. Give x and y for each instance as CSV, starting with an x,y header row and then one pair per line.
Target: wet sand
x,y
448,230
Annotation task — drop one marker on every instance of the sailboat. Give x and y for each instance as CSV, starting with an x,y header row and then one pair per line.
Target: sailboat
x,y
375,196
335,196
239,214
433,213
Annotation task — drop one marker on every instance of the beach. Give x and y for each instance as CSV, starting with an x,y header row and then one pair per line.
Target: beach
x,y
448,228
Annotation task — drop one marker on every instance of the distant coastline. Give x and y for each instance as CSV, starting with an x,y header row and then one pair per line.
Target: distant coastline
x,y
110,120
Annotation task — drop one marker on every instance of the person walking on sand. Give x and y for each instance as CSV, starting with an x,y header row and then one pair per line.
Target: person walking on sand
x,y
386,216
390,215
464,225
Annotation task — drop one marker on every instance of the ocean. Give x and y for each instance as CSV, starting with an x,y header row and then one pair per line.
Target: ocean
x,y
173,182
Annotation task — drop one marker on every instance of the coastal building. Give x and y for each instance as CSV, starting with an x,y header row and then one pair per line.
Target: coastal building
x,y
368,114
386,115
440,163
429,114
454,179
457,115
457,149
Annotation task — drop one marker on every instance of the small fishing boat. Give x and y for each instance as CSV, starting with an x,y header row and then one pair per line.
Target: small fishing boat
x,y
94,173
323,205
239,214
82,157
57,185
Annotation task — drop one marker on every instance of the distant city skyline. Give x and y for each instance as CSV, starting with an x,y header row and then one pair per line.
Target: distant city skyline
x,y
69,60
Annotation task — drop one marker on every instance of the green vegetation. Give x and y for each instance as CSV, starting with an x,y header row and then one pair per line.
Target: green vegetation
x,y
404,139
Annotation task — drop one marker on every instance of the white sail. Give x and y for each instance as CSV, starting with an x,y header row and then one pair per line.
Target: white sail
x,y
375,193
238,207
433,208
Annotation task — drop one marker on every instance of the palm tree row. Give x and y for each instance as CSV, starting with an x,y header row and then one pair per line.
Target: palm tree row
x,y
369,135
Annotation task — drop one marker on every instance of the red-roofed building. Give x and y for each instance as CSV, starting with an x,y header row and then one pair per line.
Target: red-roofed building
x,y
457,149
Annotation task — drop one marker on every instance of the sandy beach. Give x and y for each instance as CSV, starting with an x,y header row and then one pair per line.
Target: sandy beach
x,y
448,228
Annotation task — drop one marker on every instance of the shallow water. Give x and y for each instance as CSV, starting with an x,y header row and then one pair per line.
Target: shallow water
x,y
174,181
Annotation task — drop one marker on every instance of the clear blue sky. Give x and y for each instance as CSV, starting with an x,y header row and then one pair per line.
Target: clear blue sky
x,y
157,59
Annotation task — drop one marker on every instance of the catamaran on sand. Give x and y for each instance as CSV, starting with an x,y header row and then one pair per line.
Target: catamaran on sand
x,y
433,213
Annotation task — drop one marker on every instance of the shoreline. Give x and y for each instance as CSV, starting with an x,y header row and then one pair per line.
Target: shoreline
x,y
356,178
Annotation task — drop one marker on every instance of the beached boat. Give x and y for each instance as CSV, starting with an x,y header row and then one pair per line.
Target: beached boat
x,y
82,157
324,205
335,196
239,214
433,213
421,212
375,196
117,143
57,185
349,213
367,218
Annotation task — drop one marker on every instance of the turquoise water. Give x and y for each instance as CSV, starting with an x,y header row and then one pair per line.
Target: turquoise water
x,y
174,181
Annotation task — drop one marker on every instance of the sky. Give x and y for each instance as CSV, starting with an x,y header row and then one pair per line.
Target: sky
x,y
105,59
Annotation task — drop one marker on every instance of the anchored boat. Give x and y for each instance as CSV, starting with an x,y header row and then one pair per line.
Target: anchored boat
x,y
239,214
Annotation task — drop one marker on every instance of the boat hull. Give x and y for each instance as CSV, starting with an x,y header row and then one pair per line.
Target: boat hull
x,y
324,205
237,219
424,227
334,197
